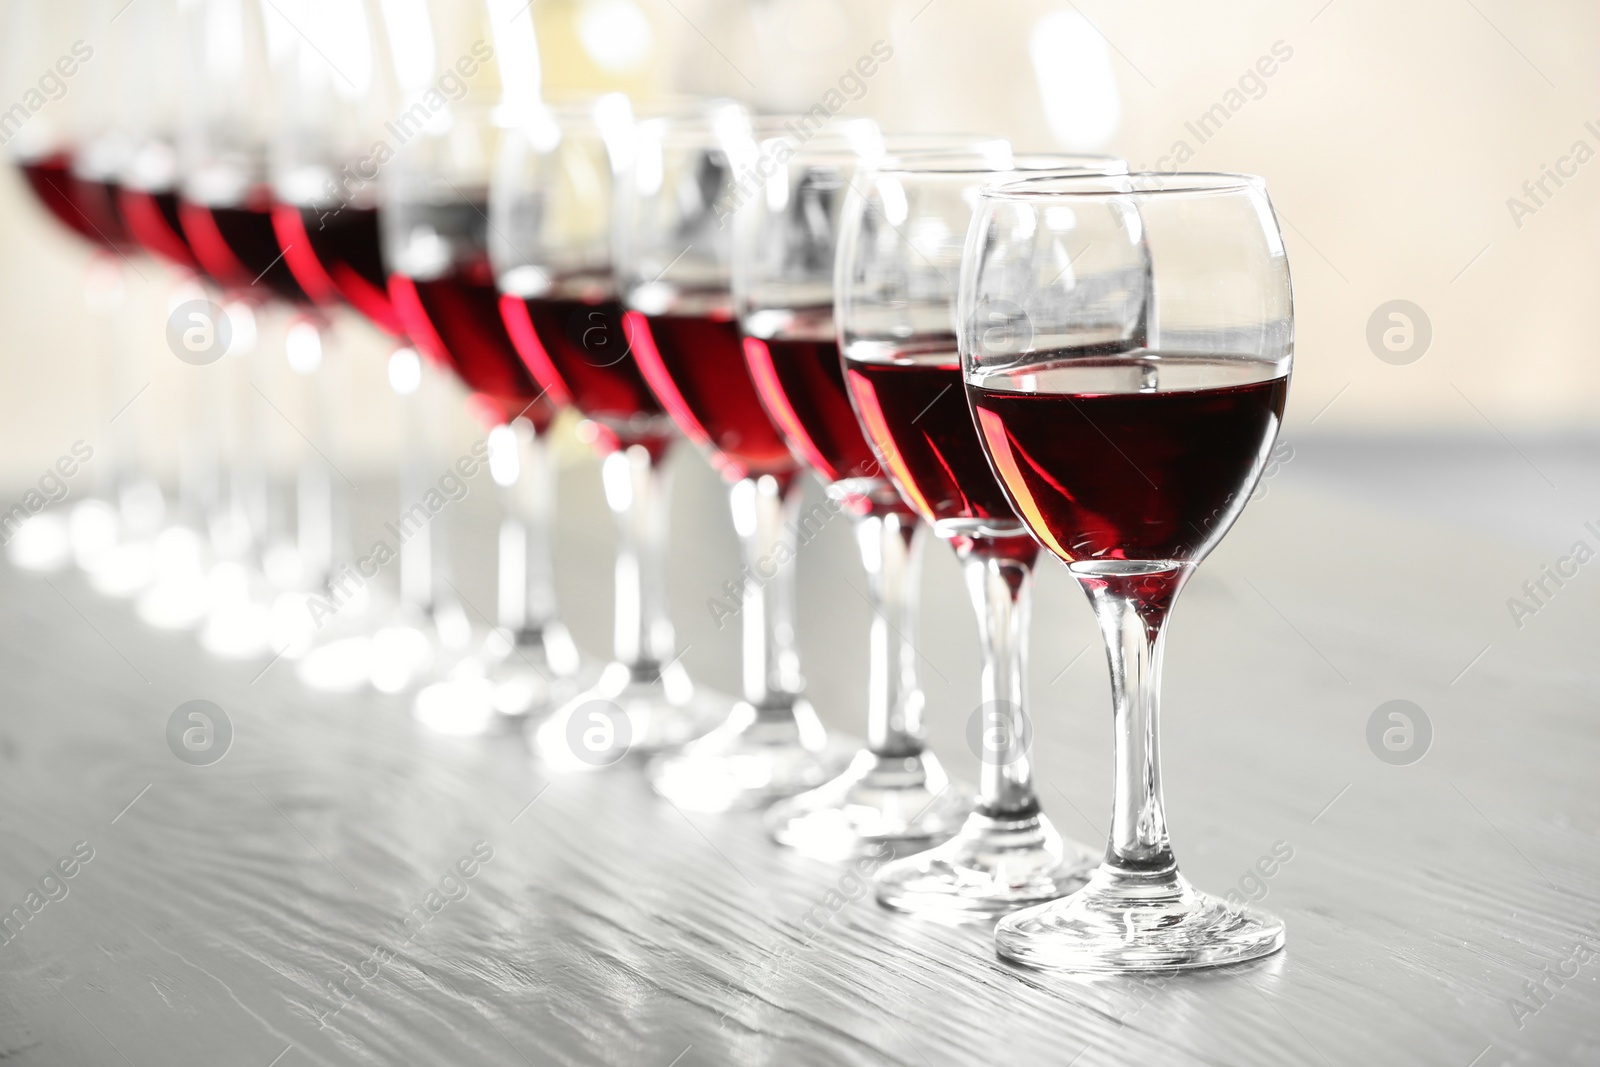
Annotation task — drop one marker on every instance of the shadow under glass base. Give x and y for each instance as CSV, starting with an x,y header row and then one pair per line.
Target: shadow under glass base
x,y
907,803
991,866
1123,922
753,758
628,711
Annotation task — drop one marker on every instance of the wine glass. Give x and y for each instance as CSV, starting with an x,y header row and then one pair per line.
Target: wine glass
x,y
435,227
225,202
894,792
325,165
63,135
551,208
673,264
899,262
1126,345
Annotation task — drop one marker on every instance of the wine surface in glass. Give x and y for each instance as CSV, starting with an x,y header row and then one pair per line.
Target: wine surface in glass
x,y
88,208
97,202
455,318
152,218
50,178
695,366
1147,459
917,417
237,246
579,348
802,385
338,252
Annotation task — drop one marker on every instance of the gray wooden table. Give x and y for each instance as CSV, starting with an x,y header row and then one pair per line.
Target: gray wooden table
x,y
252,912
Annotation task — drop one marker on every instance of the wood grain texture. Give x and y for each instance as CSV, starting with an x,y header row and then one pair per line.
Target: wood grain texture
x,y
222,910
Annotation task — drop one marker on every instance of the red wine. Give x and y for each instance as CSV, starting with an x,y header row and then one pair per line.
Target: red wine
x,y
802,385
917,418
338,253
50,178
455,319
1102,466
236,245
580,352
96,201
695,365
152,219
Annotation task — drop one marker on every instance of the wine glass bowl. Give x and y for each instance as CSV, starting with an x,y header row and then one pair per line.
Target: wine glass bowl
x,y
689,172
561,188
1126,345
894,794
897,273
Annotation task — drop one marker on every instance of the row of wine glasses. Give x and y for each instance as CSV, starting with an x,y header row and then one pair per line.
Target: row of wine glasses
x,y
1013,351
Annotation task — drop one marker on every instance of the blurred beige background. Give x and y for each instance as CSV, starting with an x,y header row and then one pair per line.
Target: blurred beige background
x,y
1391,136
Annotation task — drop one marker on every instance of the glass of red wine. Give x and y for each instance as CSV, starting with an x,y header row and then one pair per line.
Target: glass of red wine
x,y
155,62
434,215
894,792
899,261
674,247
551,212
325,170
70,147
1126,345
224,207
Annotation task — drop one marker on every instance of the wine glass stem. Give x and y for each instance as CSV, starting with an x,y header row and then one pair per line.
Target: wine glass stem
x,y
527,591
890,540
103,293
322,501
764,513
1133,622
1001,586
637,488
416,551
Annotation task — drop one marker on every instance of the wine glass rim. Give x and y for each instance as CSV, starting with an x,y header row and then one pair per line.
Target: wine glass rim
x,y
1037,164
882,148
1136,185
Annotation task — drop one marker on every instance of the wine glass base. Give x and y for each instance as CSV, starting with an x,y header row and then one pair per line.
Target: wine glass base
x,y
414,647
533,672
991,866
905,803
627,711
178,599
752,759
340,665
516,678
42,543
1129,922
122,570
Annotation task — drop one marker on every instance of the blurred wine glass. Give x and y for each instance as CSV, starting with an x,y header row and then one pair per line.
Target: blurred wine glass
x,y
64,137
337,89
481,71
229,107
